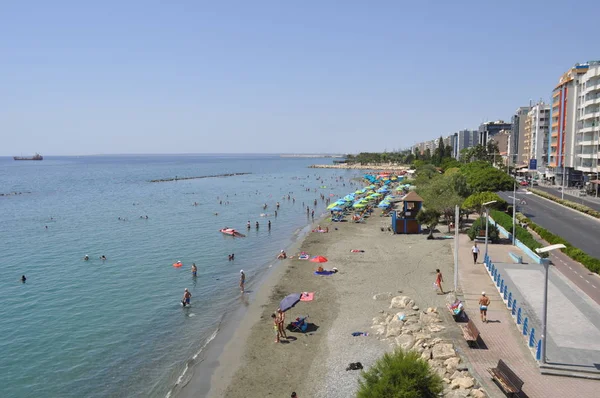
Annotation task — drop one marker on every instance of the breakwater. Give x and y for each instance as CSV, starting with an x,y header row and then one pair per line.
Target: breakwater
x,y
176,178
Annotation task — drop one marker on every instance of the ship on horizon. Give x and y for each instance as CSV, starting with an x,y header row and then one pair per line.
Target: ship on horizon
x,y
37,156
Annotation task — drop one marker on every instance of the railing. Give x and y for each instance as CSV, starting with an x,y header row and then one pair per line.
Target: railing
x,y
517,312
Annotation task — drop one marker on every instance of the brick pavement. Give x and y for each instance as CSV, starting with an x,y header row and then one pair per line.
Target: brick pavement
x,y
501,336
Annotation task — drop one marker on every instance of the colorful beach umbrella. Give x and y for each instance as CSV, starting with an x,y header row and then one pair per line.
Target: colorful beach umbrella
x,y
318,259
289,301
336,208
331,206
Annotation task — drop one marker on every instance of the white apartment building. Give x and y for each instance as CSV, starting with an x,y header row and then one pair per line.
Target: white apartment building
x,y
536,140
587,136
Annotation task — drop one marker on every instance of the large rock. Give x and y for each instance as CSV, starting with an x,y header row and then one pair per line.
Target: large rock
x,y
383,296
457,394
412,328
463,382
406,341
436,328
394,329
422,336
478,393
426,354
452,363
378,329
402,302
380,319
429,318
443,351
432,309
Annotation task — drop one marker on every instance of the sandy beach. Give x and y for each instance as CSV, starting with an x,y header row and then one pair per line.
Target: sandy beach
x,y
374,166
314,364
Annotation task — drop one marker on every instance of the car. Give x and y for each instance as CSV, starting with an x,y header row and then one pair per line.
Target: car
x,y
523,183
534,183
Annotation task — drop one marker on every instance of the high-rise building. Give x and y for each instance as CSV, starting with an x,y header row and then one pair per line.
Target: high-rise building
x,y
464,139
518,135
587,136
489,129
536,136
565,107
502,139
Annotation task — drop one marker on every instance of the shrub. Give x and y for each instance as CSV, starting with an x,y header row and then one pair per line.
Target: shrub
x,y
568,203
400,375
520,233
479,225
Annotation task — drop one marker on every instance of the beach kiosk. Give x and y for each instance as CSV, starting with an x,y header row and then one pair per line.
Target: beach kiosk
x,y
404,220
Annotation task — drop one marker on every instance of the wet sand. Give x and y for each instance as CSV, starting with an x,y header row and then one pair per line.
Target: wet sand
x,y
313,364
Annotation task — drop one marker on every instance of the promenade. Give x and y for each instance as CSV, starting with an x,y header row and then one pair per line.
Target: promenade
x,y
501,337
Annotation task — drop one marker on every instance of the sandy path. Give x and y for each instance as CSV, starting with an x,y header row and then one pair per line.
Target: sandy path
x,y
314,364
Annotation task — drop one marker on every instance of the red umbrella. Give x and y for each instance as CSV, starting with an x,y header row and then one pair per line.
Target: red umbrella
x,y
318,259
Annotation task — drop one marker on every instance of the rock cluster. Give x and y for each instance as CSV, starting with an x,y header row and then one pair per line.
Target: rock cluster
x,y
407,327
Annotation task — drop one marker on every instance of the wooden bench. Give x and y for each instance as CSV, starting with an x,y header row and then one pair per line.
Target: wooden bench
x,y
508,381
470,333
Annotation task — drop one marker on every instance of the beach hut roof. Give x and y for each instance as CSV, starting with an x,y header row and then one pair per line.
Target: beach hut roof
x,y
412,197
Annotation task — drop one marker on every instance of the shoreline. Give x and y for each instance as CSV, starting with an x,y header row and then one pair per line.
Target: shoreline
x,y
391,167
313,364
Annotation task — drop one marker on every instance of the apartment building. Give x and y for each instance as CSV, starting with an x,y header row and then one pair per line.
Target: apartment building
x,y
489,129
566,104
502,139
536,136
518,135
587,135
463,139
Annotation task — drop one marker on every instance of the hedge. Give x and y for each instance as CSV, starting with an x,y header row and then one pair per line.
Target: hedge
x,y
575,206
591,263
479,225
521,233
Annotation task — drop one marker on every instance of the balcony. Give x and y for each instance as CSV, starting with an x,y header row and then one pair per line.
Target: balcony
x,y
593,87
591,101
585,143
588,129
591,115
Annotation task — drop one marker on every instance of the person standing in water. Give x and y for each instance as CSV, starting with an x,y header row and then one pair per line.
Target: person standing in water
x,y
187,296
242,280
194,270
23,279
269,225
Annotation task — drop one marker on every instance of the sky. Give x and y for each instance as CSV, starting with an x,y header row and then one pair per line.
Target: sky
x,y
125,77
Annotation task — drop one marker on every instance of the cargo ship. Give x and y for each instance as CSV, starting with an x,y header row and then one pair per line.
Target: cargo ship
x,y
37,156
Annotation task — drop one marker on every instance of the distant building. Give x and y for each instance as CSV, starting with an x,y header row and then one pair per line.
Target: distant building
x,y
489,129
587,136
464,139
537,136
502,139
518,135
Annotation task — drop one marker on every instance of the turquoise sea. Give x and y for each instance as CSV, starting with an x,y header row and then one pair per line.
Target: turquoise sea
x,y
116,328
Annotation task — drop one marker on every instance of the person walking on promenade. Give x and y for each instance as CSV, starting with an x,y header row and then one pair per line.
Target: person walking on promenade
x,y
439,279
475,251
242,280
484,302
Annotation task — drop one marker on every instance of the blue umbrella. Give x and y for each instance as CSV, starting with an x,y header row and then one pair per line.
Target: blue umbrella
x,y
336,208
289,301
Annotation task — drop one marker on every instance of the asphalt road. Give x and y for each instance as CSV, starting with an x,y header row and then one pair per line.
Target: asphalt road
x,y
584,200
578,229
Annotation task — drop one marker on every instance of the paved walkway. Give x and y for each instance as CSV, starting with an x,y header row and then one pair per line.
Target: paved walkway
x,y
501,336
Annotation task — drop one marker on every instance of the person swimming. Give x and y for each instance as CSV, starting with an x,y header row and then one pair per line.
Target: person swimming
x,y
194,270
86,257
248,225
257,225
103,257
23,279
187,296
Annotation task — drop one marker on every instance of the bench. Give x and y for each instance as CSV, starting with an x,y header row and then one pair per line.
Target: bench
x,y
470,333
481,236
516,258
508,381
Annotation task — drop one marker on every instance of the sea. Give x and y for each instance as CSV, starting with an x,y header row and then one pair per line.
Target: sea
x,y
116,327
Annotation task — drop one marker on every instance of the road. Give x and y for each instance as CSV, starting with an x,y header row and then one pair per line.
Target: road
x,y
589,201
578,229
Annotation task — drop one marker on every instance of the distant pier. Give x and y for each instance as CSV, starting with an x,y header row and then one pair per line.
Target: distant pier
x,y
176,178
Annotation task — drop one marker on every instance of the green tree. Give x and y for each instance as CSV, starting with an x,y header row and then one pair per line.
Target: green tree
x,y
400,375
475,201
409,158
482,176
443,194
429,218
427,155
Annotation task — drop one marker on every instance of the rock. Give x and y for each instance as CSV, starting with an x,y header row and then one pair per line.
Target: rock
x,y
432,309
411,328
451,363
463,382
457,394
435,341
394,329
378,329
388,319
456,375
426,354
478,393
383,296
406,341
436,328
415,308
446,380
422,336
441,371
443,351
429,318
378,320
418,348
402,302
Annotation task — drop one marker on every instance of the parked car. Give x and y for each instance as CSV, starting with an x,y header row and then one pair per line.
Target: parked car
x,y
534,183
523,183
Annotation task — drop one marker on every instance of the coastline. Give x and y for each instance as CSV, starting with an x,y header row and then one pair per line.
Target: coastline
x,y
389,166
313,364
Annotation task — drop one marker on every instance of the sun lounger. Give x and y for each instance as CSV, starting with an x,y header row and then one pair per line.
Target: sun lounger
x,y
299,325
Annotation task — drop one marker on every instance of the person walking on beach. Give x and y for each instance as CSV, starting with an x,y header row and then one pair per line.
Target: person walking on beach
x,y
439,279
484,303
242,280
276,327
281,318
475,251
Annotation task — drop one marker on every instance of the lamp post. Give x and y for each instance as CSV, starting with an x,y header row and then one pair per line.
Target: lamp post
x,y
514,220
546,264
487,221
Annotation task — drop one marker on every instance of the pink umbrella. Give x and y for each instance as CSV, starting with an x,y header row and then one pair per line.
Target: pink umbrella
x,y
318,259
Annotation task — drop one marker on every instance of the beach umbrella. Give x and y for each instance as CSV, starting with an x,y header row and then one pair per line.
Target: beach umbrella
x,y
358,205
289,301
331,206
318,259
336,208
383,205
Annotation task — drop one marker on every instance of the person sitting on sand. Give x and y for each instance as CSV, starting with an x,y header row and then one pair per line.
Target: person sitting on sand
x,y
282,255
320,268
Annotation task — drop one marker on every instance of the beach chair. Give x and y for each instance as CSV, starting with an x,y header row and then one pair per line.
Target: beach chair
x,y
299,325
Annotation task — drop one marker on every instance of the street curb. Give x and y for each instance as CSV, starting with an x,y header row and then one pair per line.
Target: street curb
x,y
566,207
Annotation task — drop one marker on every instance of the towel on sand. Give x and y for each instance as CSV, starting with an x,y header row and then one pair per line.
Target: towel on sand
x,y
307,296
356,251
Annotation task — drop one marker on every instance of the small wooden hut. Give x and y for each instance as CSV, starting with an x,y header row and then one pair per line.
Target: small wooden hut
x,y
404,219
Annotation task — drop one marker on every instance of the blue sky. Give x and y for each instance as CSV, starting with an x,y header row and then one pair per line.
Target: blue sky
x,y
272,76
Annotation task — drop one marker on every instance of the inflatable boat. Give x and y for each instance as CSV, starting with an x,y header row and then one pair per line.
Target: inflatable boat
x,y
232,232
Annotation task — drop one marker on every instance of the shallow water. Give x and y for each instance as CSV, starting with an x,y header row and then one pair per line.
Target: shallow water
x,y
116,327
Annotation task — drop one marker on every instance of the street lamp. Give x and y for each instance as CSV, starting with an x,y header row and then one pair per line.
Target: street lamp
x,y
487,221
546,264
514,220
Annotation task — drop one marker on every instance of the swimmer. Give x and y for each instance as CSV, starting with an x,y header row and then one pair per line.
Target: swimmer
x,y
248,225
86,257
194,270
103,257
242,280
232,256
269,224
23,279
257,225
216,214
187,296
282,255
275,213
